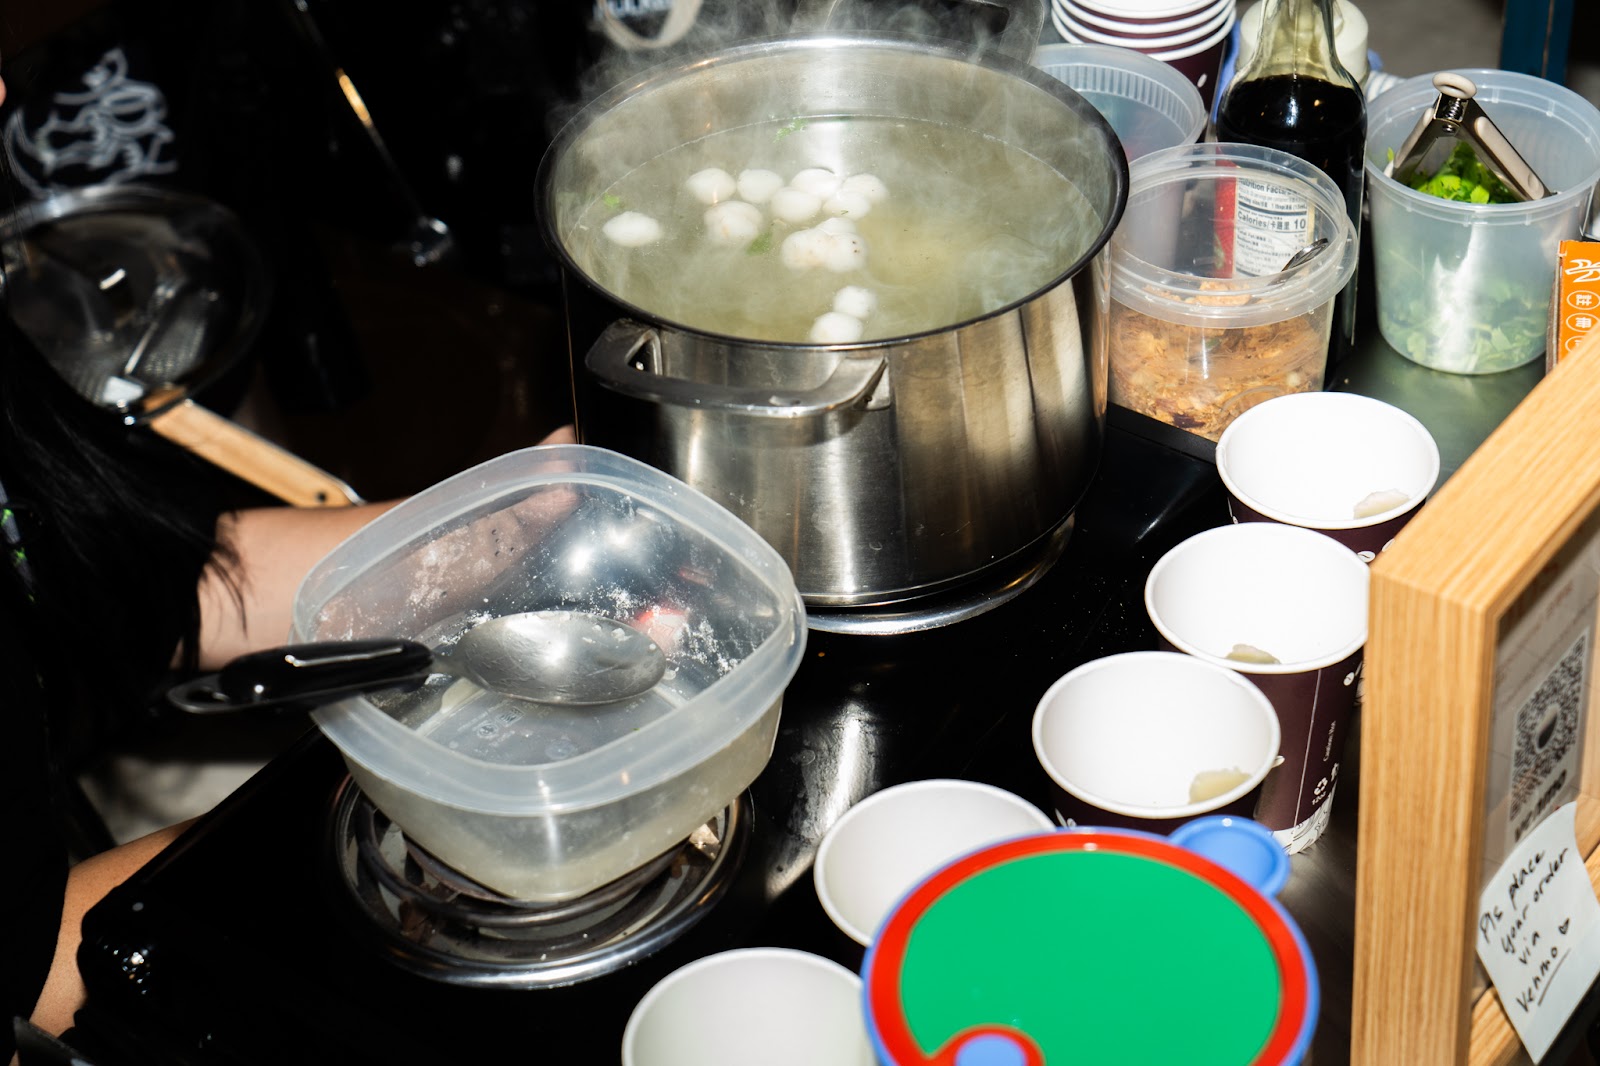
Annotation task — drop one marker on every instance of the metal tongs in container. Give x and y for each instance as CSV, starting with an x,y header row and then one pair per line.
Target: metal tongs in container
x,y
1458,115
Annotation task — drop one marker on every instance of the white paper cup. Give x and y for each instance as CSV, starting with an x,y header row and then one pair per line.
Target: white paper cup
x,y
885,845
773,1006
1300,597
1328,461
1127,739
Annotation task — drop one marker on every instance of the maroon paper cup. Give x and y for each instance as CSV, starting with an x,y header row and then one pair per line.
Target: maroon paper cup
x,y
1201,63
1150,740
1148,37
1286,608
1139,10
1352,467
1089,14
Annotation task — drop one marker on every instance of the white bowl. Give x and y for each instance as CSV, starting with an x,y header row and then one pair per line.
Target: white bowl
x,y
885,845
773,1006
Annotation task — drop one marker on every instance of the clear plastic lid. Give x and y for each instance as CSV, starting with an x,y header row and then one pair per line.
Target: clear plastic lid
x,y
1209,227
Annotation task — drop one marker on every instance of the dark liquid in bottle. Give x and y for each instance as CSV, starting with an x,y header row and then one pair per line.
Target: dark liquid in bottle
x,y
1323,123
1318,121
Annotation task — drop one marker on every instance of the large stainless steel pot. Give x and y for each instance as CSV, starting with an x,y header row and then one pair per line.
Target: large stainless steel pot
x,y
908,482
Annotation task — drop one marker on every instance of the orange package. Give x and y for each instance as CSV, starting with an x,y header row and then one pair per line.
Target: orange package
x,y
1575,309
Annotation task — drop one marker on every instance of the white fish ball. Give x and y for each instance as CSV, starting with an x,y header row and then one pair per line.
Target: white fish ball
x,y
757,186
846,252
835,327
868,185
805,249
795,205
733,222
816,181
712,185
855,301
836,226
847,204
632,229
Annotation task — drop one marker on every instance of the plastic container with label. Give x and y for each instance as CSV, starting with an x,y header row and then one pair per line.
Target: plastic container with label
x,y
540,802
1205,323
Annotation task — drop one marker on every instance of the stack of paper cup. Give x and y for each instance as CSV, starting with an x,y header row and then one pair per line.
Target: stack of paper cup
x,y
1191,35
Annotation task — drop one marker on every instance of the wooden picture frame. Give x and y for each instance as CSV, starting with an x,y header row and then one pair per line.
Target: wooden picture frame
x,y
1454,601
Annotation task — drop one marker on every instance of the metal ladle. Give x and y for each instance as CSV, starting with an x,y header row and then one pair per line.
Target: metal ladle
x,y
570,658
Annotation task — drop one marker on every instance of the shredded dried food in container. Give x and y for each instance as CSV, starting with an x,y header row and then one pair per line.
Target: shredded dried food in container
x,y
1200,378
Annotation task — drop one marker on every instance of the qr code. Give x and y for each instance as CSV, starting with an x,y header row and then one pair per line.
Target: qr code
x,y
1547,727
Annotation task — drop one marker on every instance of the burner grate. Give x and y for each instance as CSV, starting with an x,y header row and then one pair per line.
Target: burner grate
x,y
432,920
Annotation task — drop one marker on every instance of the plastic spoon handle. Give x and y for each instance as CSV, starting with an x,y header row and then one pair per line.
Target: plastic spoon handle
x,y
306,675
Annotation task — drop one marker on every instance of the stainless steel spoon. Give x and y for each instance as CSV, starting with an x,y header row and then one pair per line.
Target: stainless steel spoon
x,y
1304,255
570,658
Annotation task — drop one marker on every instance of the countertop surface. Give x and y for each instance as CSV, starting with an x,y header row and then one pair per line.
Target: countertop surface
x,y
163,952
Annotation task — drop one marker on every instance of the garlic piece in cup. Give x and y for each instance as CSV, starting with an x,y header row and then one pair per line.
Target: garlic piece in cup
x,y
1350,466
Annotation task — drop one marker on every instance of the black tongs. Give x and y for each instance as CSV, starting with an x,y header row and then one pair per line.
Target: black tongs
x,y
1458,115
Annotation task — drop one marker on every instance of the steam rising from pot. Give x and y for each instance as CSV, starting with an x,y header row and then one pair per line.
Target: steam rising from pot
x,y
640,34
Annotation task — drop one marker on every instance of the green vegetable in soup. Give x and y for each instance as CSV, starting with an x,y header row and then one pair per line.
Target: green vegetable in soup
x,y
793,126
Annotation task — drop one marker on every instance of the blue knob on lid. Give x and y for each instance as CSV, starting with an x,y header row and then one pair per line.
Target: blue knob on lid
x,y
1243,847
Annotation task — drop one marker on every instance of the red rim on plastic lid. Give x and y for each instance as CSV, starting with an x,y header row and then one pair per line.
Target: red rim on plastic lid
x,y
1090,946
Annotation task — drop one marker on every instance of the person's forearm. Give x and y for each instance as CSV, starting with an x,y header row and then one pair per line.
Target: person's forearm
x,y
87,884
276,547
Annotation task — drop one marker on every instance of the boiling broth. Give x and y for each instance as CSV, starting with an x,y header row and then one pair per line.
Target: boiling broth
x,y
966,224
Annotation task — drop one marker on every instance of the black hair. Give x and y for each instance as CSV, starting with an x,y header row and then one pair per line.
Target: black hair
x,y
116,526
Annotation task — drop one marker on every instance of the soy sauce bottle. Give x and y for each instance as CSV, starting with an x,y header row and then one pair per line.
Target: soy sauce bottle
x,y
1294,95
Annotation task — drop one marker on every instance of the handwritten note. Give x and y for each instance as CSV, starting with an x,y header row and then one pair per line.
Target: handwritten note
x,y
1539,931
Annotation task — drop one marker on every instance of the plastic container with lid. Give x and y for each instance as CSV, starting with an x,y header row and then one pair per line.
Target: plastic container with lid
x,y
1149,104
1466,287
1097,945
540,802
1205,323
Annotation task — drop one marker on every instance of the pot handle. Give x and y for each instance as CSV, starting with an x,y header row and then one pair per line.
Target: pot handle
x,y
1017,38
614,361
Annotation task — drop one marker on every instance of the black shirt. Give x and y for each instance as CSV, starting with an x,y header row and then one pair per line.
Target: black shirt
x,y
33,869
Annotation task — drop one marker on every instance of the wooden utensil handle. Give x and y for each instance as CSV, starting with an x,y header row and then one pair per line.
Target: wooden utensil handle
x,y
251,457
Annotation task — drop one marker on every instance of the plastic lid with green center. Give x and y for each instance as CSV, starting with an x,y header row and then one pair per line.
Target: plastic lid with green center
x,y
1089,947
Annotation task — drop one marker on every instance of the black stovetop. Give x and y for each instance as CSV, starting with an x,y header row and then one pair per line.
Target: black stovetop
x,y
241,944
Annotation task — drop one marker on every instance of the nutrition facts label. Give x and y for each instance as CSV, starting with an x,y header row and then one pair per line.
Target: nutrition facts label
x,y
1271,223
